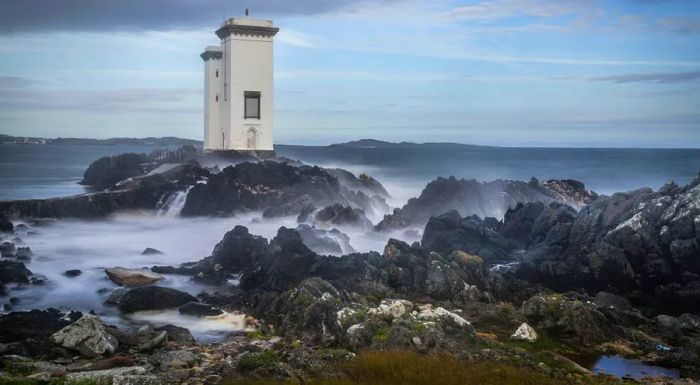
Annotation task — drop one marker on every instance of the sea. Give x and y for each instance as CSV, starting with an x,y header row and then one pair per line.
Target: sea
x,y
45,171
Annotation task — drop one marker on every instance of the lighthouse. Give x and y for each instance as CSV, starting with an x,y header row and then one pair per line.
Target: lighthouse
x,y
238,87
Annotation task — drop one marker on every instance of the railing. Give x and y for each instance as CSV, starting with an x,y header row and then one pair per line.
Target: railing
x,y
174,155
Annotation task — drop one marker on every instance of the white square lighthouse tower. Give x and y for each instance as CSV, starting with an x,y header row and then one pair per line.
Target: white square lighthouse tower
x,y
238,87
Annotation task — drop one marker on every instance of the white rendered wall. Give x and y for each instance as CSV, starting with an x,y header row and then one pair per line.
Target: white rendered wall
x,y
212,88
248,61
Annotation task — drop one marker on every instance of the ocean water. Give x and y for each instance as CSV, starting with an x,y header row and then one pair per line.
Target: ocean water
x,y
47,171
604,170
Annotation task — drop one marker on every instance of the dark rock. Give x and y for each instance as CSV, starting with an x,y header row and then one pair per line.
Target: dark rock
x,y
7,249
450,232
199,309
325,241
93,205
277,189
177,334
72,273
29,331
5,224
605,299
13,272
151,251
236,251
286,262
343,216
153,298
23,253
483,199
305,213
108,170
640,244
115,297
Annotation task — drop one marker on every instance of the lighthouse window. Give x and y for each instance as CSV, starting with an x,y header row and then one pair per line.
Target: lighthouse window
x,y
217,98
252,104
217,73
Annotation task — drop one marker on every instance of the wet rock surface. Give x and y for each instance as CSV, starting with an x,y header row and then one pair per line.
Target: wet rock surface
x,y
153,298
132,277
483,199
267,185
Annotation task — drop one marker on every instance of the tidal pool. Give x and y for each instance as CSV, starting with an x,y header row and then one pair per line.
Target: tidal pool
x,y
626,367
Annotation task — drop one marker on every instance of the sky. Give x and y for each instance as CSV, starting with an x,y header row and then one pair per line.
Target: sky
x,y
573,73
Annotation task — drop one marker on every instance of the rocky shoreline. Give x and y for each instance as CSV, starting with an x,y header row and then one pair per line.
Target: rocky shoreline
x,y
589,276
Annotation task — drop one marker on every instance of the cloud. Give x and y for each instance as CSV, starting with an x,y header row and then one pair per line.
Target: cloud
x,y
681,25
15,81
140,15
123,100
672,77
504,9
298,39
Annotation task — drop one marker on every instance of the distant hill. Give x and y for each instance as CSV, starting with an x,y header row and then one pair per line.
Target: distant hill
x,y
167,141
374,143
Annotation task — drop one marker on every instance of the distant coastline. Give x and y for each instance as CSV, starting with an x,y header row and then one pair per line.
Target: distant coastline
x,y
149,141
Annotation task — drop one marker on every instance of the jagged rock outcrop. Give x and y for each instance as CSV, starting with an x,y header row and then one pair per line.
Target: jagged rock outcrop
x,y
340,215
642,244
450,232
483,199
12,272
274,187
325,241
408,271
106,171
5,224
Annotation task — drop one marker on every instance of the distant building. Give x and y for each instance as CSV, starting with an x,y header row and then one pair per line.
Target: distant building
x,y
238,87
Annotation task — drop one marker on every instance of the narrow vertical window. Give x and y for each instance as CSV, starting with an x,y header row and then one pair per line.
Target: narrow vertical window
x,y
251,104
217,73
217,98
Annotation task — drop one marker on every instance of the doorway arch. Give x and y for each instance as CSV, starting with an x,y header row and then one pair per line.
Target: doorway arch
x,y
252,139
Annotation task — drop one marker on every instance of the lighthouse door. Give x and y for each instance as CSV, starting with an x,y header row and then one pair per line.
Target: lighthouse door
x,y
252,138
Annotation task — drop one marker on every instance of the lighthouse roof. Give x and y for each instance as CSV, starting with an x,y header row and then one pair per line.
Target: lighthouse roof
x,y
246,26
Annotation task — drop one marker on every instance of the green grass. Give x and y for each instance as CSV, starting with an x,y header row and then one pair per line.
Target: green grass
x,y
410,368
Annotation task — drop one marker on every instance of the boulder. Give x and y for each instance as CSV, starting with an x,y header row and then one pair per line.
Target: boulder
x,y
132,277
23,253
525,333
153,298
87,336
107,171
178,335
106,376
12,271
72,273
5,224
340,215
7,249
199,309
